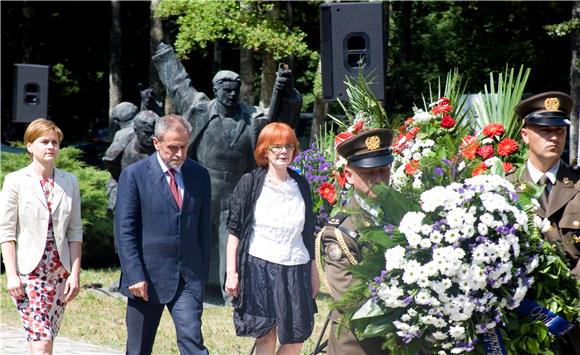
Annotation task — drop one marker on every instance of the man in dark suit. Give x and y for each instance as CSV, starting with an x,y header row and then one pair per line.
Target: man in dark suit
x,y
162,227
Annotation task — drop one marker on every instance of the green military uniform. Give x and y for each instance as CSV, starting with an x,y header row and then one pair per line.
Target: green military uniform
x,y
340,250
562,208
563,213
337,243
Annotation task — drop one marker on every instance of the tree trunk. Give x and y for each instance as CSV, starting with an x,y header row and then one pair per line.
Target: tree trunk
x,y
268,78
268,66
575,89
247,64
157,35
320,107
406,13
115,60
247,76
27,47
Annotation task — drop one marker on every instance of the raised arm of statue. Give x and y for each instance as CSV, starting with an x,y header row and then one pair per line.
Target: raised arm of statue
x,y
176,80
286,101
149,100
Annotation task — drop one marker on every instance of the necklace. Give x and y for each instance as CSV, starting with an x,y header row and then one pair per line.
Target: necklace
x,y
277,181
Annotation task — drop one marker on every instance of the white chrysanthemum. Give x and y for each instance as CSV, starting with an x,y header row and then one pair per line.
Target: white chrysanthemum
x,y
482,229
487,219
532,265
412,272
455,217
391,296
435,197
436,237
422,116
411,222
394,258
452,235
423,297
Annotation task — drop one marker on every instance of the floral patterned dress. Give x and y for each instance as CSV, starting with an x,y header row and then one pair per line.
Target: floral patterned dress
x,y
42,308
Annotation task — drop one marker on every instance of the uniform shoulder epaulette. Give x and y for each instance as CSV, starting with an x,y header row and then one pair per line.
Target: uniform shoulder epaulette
x,y
337,219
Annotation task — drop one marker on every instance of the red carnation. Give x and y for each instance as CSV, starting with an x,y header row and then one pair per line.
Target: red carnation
x,y
443,101
447,122
412,133
507,167
480,169
469,147
341,137
485,152
507,147
442,109
327,192
357,126
412,167
493,130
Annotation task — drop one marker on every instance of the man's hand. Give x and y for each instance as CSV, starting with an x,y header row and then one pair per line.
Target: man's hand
x,y
140,290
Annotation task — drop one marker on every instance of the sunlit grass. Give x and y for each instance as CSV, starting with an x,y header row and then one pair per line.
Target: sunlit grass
x,y
96,318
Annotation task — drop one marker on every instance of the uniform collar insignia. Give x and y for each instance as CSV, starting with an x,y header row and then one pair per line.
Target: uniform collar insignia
x,y
566,181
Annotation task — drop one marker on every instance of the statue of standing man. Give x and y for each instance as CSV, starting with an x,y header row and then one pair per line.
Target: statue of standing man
x,y
224,134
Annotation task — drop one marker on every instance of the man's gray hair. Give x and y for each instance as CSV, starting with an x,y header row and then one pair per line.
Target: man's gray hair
x,y
225,75
171,123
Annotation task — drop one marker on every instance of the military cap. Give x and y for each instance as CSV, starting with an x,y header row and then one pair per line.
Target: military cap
x,y
551,108
368,149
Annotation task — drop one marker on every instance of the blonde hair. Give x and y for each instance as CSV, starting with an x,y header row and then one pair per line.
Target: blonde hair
x,y
39,127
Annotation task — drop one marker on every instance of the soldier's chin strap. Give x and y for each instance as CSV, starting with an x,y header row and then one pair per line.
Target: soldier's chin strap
x,y
318,253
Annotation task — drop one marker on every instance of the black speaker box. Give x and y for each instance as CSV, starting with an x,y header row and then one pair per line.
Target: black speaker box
x,y
30,92
352,37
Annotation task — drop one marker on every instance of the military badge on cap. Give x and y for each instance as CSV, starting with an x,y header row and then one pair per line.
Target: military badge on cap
x,y
551,108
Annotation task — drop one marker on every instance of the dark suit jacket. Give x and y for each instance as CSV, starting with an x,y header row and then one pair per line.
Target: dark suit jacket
x,y
156,240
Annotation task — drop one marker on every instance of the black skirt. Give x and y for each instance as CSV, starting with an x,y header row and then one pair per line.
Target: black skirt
x,y
276,295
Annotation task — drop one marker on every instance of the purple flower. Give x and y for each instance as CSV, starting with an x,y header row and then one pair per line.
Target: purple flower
x,y
438,171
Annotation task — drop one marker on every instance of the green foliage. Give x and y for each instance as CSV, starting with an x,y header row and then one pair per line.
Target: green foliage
x,y
251,24
564,28
497,105
98,243
63,76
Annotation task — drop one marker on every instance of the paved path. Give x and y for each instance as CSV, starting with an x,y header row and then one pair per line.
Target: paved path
x,y
13,342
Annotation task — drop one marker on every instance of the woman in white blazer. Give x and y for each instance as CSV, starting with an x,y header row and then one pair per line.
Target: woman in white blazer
x,y
41,236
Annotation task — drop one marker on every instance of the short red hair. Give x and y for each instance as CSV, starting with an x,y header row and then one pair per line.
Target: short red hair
x,y
274,133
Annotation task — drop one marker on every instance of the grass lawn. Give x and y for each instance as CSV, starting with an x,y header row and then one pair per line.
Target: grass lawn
x,y
100,319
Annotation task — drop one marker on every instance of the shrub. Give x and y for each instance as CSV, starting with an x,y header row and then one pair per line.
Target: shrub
x,y
98,245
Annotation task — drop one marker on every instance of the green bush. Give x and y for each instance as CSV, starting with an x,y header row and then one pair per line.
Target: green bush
x,y
98,245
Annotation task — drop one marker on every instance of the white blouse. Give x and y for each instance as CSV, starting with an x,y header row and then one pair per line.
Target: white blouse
x,y
278,224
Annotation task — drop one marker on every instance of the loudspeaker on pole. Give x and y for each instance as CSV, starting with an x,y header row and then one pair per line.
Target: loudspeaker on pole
x,y
30,92
352,39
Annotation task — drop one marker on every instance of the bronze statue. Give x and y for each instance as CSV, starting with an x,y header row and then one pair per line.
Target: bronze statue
x,y
224,133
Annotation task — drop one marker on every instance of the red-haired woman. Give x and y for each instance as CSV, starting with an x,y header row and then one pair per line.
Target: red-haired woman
x,y
270,248
41,235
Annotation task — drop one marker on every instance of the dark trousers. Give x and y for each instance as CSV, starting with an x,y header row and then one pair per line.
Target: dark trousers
x,y
186,308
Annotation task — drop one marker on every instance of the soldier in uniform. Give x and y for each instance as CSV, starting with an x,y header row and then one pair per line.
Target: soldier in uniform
x,y
545,122
546,118
369,158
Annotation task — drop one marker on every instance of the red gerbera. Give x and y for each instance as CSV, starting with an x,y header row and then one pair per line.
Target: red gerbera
x,y
485,152
447,122
507,147
327,192
442,109
480,169
507,166
493,130
357,126
412,167
469,147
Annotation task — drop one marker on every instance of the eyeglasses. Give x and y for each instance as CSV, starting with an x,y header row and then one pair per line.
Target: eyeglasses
x,y
277,148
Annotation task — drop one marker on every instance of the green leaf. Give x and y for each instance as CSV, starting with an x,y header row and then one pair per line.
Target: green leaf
x,y
370,309
378,327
